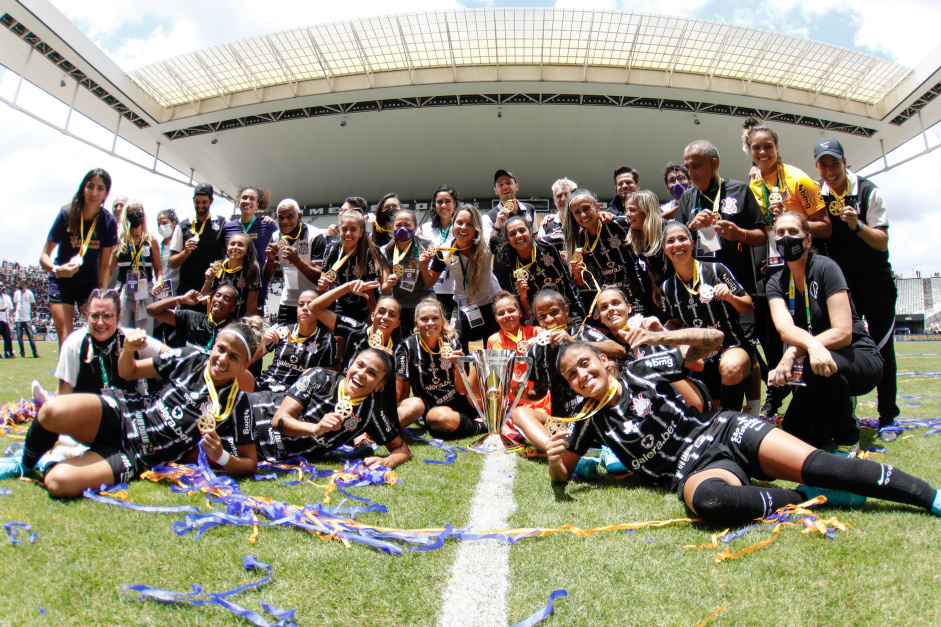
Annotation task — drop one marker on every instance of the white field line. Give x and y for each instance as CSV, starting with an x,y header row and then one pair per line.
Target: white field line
x,y
476,593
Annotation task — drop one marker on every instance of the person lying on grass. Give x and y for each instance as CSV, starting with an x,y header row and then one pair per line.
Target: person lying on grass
x,y
324,410
708,458
126,433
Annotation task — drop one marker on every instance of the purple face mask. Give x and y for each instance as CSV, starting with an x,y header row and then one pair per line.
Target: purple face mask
x,y
403,234
677,189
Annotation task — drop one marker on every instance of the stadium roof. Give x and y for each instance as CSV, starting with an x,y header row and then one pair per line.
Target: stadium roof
x,y
407,102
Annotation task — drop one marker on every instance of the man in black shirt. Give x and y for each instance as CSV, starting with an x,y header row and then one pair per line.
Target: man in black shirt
x,y
506,187
859,244
626,182
198,242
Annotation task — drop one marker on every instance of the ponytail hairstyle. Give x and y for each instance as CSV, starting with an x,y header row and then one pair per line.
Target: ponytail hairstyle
x,y
754,125
251,329
447,331
505,253
78,201
365,246
252,273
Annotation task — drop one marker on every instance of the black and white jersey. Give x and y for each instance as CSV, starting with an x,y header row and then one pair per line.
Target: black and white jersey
x,y
545,377
613,263
354,337
291,359
650,426
316,391
243,285
193,329
350,305
162,428
549,271
714,314
430,380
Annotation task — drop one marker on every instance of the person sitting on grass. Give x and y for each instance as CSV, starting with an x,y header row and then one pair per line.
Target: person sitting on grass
x,y
195,328
708,458
201,403
324,410
426,360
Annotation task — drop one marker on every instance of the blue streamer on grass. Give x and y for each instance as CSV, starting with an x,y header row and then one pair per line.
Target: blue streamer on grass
x,y
13,527
544,613
200,598
450,452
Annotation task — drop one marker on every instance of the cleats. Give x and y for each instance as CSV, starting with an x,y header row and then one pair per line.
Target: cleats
x,y
611,462
846,450
936,506
587,468
11,468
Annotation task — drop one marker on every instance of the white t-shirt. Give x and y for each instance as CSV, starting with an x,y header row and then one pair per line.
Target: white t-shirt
x,y
24,302
70,359
295,282
169,274
6,308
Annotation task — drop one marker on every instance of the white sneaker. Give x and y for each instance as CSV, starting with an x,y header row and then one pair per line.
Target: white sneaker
x,y
39,394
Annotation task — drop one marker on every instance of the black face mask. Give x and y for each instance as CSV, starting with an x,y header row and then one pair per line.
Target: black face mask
x,y
135,219
790,247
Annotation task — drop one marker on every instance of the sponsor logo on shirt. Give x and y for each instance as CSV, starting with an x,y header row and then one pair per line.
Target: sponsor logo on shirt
x,y
666,361
656,447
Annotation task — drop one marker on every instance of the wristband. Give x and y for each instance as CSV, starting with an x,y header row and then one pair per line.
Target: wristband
x,y
224,458
859,226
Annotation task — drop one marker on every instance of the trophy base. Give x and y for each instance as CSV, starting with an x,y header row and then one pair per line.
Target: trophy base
x,y
495,443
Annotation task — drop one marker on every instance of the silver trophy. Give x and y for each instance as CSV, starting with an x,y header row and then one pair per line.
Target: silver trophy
x,y
494,381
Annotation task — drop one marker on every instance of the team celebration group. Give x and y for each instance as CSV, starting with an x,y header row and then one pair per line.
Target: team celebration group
x,y
642,321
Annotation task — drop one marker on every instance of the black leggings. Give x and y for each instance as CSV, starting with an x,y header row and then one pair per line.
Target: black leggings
x,y
823,409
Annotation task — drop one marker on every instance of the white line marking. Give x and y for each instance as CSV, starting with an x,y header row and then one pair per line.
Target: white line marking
x,y
476,593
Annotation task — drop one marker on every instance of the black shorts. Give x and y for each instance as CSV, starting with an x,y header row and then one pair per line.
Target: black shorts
x,y
731,444
710,374
109,442
65,293
467,428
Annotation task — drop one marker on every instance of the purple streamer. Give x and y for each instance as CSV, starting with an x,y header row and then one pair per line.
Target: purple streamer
x,y
544,613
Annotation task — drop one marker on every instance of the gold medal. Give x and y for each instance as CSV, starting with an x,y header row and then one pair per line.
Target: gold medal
x,y
375,340
775,196
344,407
446,351
554,425
634,321
206,423
544,338
521,346
577,257
522,274
398,270
283,332
283,243
836,207
432,249
331,275
216,266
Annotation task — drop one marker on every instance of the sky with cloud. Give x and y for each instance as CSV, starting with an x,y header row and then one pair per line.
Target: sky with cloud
x,y
43,167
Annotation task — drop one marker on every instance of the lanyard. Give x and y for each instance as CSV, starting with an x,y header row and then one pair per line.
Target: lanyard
x,y
291,238
396,257
225,268
593,407
588,249
106,383
791,298
519,266
767,191
91,230
715,203
249,227
697,278
136,253
202,227
443,233
214,397
342,260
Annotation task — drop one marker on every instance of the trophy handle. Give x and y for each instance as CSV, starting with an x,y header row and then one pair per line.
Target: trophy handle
x,y
529,369
461,361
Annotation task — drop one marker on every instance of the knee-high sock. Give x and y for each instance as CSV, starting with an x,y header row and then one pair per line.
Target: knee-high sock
x,y
38,441
861,476
717,501
733,396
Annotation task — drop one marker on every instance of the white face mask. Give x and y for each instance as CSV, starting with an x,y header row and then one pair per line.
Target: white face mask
x,y
166,230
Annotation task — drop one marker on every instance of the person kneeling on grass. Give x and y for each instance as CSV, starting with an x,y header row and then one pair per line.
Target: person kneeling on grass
x,y
708,458
127,432
324,410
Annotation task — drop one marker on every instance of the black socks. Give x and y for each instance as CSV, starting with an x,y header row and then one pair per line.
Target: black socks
x,y
38,442
717,501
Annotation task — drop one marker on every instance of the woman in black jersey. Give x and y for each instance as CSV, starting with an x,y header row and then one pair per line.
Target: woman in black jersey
x,y
708,458
425,364
240,270
706,294
600,254
126,433
136,259
193,328
297,347
380,331
310,420
536,265
813,311
406,281
552,312
353,256
88,362
642,210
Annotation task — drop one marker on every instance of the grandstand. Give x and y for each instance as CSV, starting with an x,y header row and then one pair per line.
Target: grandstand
x,y
919,303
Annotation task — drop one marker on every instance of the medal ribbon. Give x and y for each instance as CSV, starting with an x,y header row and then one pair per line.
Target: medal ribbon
x,y
202,226
519,266
225,269
591,309
428,350
295,336
715,203
697,278
215,327
515,340
342,396
396,257
767,191
379,229
214,396
593,407
136,254
291,238
101,358
249,227
339,264
791,298
91,230
589,249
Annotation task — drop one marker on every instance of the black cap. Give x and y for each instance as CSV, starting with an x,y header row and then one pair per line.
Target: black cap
x,y
500,173
203,189
828,146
